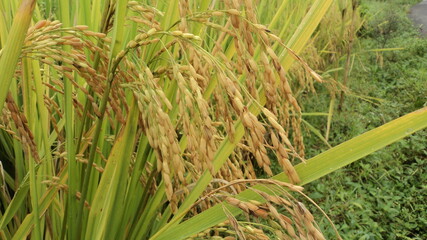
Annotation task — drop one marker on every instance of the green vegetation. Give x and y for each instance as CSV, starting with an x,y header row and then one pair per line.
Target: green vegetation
x,y
382,196
169,119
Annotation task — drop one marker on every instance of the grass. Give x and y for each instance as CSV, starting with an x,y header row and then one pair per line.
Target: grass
x,y
380,197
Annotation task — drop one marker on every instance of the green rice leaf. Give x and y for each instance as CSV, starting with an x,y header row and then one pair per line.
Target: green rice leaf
x,y
13,47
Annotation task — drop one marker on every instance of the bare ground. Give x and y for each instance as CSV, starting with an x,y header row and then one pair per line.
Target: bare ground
x,y
418,14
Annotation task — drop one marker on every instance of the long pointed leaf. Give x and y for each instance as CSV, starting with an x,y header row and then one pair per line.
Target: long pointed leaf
x,y
13,47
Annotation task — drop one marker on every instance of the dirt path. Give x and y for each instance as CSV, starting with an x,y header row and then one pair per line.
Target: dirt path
x,y
418,14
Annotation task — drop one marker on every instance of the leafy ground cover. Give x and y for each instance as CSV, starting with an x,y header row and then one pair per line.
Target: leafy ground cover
x,y
382,196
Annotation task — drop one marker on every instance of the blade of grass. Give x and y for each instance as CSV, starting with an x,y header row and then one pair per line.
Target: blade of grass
x,y
73,171
14,44
316,132
330,114
17,200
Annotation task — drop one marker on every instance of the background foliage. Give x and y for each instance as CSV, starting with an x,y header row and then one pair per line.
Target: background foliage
x,y
382,196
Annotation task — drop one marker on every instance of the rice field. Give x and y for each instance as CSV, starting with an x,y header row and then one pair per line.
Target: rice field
x,y
162,119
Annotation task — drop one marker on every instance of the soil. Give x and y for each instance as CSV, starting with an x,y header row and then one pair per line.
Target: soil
x,y
418,14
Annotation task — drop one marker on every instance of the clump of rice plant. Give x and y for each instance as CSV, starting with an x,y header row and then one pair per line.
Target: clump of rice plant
x,y
125,129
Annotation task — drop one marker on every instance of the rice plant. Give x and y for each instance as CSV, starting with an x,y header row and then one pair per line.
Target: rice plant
x,y
154,120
